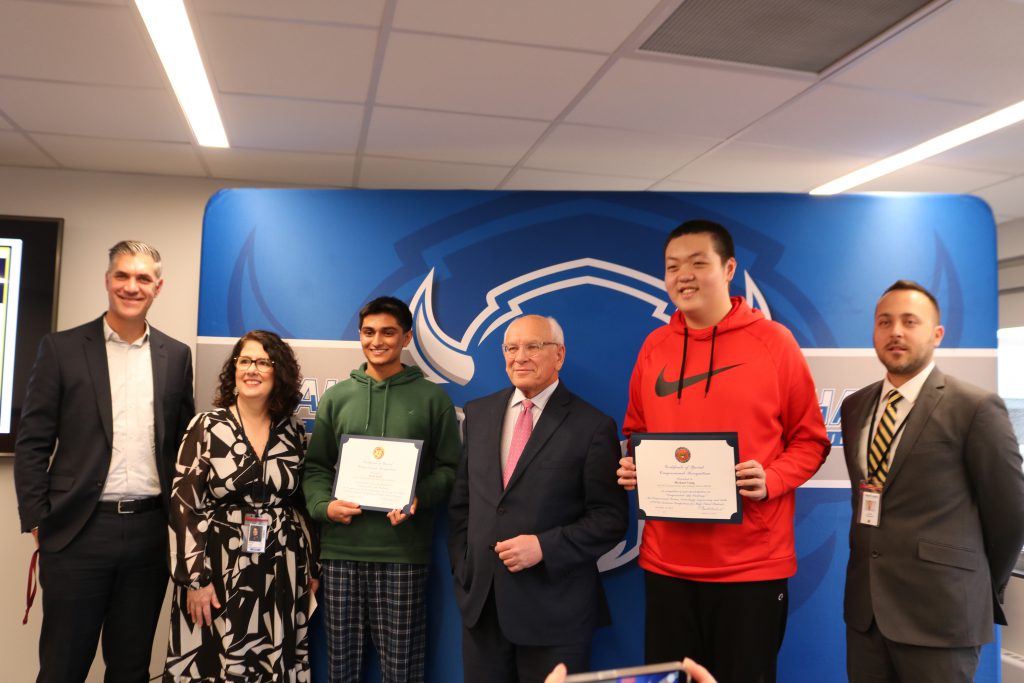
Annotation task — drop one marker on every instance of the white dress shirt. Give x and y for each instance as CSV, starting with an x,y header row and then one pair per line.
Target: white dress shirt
x,y
512,414
133,472
910,390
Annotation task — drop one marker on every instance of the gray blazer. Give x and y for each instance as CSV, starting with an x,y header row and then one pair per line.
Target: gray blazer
x,y
952,525
62,455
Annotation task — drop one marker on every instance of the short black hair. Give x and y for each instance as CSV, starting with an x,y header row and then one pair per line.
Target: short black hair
x,y
721,239
910,285
396,308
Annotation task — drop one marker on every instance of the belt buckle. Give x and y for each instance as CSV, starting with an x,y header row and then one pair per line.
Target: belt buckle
x,y
125,511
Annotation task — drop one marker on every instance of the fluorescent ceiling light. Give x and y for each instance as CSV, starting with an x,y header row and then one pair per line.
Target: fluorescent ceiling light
x,y
929,148
169,28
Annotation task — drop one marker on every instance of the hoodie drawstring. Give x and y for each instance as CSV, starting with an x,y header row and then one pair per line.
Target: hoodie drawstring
x,y
682,366
711,361
384,419
369,400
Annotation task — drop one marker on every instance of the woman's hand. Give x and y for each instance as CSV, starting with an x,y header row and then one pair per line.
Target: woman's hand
x,y
199,602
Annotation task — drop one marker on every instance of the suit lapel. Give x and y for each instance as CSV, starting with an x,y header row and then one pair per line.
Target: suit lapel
x,y
931,394
859,416
158,357
94,347
551,418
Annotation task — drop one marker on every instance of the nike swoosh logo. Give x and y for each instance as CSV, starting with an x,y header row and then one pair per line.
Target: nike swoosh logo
x,y
665,388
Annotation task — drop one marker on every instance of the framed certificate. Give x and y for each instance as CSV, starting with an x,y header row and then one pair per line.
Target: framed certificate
x,y
688,476
377,473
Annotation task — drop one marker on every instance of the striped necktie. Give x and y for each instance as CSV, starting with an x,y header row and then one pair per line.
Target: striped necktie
x,y
878,452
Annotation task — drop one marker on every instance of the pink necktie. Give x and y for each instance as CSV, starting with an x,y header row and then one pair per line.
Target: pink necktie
x,y
520,435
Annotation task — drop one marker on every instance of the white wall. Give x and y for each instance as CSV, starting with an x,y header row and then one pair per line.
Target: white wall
x,y
98,210
1011,246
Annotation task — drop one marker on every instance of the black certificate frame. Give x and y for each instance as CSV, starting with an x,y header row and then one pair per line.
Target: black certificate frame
x,y
415,475
731,438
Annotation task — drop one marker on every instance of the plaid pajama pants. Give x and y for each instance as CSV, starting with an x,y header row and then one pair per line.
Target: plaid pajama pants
x,y
390,599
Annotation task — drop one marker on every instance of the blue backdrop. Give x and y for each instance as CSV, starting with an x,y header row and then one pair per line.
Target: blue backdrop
x,y
302,263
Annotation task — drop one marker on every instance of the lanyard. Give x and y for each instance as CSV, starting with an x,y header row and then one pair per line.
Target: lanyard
x,y
261,499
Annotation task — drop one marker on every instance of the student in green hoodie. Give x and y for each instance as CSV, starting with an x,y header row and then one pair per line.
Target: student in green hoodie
x,y
375,563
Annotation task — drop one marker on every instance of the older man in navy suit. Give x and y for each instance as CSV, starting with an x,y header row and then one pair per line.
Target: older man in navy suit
x,y
105,409
535,504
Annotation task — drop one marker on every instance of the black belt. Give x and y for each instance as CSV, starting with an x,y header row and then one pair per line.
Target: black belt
x,y
129,506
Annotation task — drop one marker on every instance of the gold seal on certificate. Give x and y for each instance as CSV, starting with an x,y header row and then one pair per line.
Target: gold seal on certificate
x,y
688,477
371,480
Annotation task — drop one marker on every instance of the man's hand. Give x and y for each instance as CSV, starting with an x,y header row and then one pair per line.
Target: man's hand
x,y
750,480
627,473
35,535
397,516
342,511
314,584
199,602
519,553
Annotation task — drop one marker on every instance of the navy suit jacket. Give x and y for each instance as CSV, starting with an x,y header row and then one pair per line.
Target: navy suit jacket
x,y
62,454
952,518
564,491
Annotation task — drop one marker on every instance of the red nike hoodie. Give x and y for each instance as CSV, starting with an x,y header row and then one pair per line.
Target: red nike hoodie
x,y
746,375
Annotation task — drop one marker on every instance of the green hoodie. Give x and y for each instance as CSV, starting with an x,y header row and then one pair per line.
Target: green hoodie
x,y
404,406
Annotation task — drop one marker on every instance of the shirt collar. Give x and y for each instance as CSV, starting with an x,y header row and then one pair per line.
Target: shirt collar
x,y
110,335
539,401
911,389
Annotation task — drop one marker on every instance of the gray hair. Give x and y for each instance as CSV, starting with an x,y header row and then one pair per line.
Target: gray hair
x,y
135,248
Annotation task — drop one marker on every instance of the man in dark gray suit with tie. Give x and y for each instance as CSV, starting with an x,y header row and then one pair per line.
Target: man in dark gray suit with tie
x,y
106,405
535,504
938,506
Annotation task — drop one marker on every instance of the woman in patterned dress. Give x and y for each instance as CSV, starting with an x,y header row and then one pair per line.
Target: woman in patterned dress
x,y
241,607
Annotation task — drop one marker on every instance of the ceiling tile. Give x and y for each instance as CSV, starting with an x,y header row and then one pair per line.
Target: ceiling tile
x,y
287,59
683,98
363,12
859,121
4,125
473,76
94,44
17,150
584,24
932,178
126,156
332,170
407,174
670,185
1005,198
762,168
1000,151
613,151
966,51
414,134
291,125
534,179
101,111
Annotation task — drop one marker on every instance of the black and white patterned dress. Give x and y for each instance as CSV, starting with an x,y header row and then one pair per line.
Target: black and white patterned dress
x,y
260,631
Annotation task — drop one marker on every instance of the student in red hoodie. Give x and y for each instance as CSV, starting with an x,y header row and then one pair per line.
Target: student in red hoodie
x,y
718,592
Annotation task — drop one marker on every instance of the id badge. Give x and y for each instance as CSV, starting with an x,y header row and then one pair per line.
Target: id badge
x,y
254,530
870,513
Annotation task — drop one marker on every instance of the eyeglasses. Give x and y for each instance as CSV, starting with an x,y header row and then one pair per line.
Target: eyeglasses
x,y
263,365
531,349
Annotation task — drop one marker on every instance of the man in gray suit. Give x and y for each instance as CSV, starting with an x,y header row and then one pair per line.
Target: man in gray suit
x,y
938,506
106,405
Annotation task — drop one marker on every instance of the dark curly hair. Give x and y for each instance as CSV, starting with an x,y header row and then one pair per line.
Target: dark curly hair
x,y
287,391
